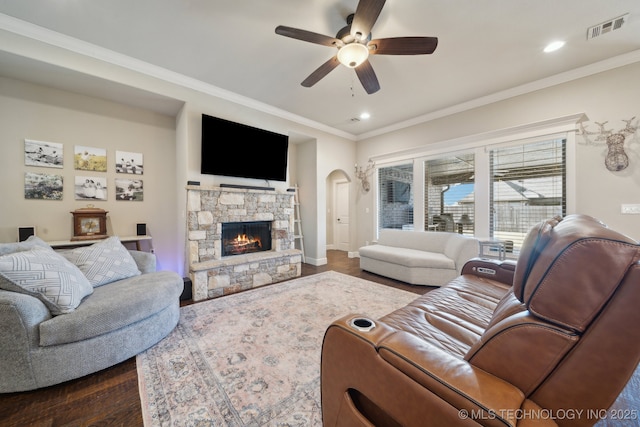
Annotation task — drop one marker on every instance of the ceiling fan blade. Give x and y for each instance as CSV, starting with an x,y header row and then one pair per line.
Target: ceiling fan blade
x,y
403,46
365,16
322,71
367,77
306,36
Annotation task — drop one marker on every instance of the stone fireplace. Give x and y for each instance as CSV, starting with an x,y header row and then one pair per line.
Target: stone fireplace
x,y
239,239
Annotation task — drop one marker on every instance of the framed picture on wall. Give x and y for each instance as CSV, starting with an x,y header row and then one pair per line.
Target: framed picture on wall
x,y
129,189
45,154
128,162
42,186
90,188
90,159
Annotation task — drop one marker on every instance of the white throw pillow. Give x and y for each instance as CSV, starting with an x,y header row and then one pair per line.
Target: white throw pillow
x,y
46,275
104,262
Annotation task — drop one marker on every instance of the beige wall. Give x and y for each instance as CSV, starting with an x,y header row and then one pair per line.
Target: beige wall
x,y
36,112
171,149
608,96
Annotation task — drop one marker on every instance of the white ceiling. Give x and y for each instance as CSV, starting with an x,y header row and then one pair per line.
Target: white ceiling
x,y
488,50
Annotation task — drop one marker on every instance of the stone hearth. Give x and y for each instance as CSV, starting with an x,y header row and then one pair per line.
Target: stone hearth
x,y
213,275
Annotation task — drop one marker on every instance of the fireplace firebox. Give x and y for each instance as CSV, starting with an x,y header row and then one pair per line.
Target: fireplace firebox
x,y
245,237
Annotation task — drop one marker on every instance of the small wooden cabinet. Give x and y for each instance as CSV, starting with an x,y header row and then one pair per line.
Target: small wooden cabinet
x,y
89,223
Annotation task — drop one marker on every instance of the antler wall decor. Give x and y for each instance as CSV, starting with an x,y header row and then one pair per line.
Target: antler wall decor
x,y
363,175
616,159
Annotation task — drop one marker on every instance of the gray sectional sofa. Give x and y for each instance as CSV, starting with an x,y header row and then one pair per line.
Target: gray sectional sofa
x,y
430,258
51,334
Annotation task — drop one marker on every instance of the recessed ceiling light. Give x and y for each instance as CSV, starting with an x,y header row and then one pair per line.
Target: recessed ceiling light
x,y
553,46
365,116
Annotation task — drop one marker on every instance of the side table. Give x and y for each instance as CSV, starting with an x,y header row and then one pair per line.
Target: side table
x,y
488,248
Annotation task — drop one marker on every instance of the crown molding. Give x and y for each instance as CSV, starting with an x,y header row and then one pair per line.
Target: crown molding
x,y
587,70
555,126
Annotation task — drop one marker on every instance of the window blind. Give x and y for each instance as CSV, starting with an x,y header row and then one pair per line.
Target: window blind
x,y
528,185
395,197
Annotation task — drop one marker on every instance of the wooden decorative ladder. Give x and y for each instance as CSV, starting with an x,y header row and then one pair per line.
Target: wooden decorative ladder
x,y
297,222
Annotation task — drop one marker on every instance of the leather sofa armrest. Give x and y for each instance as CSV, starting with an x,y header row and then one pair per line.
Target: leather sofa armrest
x,y
476,393
384,376
499,270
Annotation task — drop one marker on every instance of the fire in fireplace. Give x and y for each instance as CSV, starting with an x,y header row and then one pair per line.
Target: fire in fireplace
x,y
245,237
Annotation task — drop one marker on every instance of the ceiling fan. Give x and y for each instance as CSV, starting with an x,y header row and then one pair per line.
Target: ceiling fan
x,y
354,45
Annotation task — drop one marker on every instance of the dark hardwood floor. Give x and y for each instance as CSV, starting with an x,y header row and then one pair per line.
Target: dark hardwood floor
x,y
111,398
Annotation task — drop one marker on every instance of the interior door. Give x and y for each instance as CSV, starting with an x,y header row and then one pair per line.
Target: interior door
x,y
341,209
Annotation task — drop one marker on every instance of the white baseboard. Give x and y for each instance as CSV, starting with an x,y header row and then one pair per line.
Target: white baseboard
x,y
316,261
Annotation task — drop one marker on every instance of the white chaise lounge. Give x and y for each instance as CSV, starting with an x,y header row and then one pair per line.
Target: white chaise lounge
x,y
430,258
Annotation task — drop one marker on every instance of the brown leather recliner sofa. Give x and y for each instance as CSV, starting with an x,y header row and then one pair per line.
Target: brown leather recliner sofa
x,y
551,339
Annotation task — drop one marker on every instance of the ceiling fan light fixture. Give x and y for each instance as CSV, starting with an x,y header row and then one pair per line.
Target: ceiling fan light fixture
x,y
355,44
353,54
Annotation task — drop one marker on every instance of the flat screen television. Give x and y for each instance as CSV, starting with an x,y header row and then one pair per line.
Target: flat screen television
x,y
238,150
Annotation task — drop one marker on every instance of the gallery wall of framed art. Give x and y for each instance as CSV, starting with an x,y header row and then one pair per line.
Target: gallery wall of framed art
x,y
92,160
62,151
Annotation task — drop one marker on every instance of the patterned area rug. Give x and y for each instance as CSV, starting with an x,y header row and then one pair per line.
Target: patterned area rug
x,y
253,358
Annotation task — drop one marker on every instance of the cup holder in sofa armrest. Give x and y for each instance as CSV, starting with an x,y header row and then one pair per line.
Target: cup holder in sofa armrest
x,y
362,324
368,330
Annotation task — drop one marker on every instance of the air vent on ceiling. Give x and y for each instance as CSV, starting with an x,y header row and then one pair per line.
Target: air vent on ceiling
x,y
607,27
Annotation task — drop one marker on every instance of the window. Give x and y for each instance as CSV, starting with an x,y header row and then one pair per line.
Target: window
x,y
528,185
494,185
449,194
395,197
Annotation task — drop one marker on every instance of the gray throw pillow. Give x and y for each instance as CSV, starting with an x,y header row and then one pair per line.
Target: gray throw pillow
x,y
104,262
46,275
30,243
